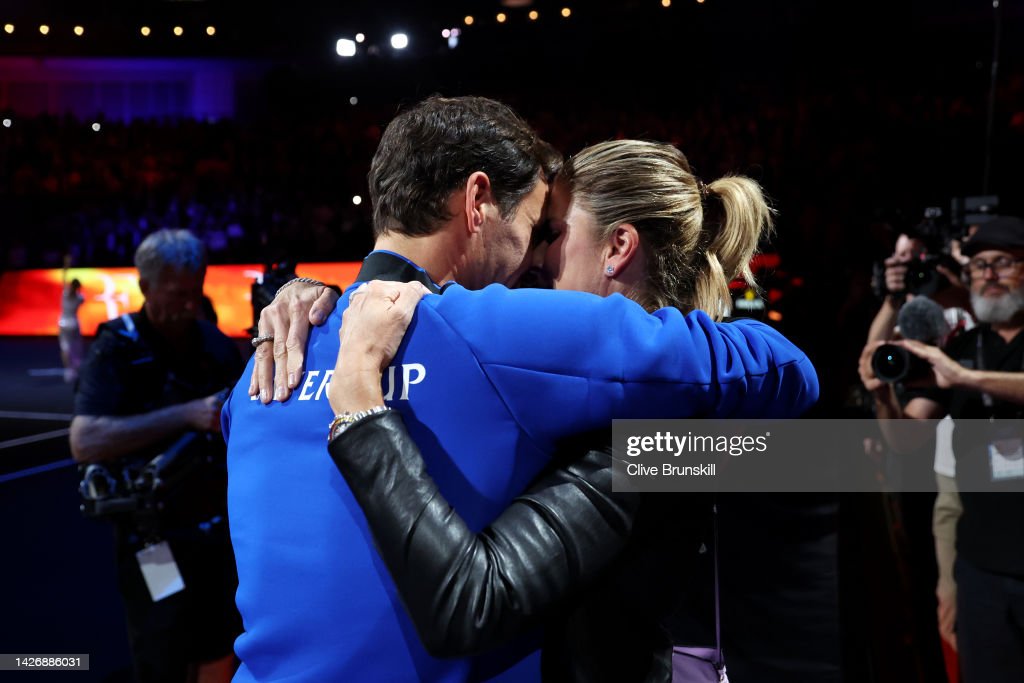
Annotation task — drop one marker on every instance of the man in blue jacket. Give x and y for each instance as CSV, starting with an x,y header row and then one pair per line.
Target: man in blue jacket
x,y
489,380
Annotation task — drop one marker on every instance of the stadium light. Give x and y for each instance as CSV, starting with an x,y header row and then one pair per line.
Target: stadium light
x,y
346,47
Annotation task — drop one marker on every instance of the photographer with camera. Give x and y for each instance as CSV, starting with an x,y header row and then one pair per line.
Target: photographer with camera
x,y
924,263
923,298
146,428
978,377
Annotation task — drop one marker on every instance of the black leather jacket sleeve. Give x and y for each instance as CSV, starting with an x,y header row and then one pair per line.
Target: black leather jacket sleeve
x,y
464,591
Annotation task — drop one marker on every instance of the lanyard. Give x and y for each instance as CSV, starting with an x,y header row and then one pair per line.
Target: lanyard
x,y
979,364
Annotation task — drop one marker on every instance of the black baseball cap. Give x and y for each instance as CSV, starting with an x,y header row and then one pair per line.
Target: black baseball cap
x,y
1002,232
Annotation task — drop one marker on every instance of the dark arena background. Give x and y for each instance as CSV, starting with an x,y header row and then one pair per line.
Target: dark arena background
x,y
252,130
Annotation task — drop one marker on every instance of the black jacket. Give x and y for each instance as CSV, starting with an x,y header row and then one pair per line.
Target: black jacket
x,y
599,570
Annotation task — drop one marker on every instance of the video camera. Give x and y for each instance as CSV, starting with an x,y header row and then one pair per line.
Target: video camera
x,y
139,490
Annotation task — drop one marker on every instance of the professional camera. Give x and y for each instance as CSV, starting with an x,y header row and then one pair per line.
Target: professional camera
x,y
139,489
923,277
938,235
893,363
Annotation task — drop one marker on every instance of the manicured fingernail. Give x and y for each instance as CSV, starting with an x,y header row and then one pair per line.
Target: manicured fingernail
x,y
318,318
280,393
265,396
291,379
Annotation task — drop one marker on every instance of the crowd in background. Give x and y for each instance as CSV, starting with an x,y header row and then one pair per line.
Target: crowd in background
x,y
847,168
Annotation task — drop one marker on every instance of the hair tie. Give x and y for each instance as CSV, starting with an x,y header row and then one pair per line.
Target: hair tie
x,y
703,189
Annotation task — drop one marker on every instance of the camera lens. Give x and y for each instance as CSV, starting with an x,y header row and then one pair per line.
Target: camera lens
x,y
922,278
891,363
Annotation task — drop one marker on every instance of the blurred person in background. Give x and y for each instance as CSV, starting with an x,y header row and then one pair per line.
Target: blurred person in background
x,y
69,332
149,395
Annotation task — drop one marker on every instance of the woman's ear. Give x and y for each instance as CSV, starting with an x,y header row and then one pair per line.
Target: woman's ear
x,y
622,248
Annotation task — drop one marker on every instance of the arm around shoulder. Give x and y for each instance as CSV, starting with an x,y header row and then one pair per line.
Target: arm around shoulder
x,y
466,591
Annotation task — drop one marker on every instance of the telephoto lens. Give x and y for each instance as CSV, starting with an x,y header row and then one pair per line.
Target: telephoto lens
x,y
893,363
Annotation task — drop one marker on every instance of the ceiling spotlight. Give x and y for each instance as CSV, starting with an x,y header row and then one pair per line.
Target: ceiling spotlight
x,y
96,127
456,32
533,15
211,30
399,41
79,30
44,29
144,30
360,37
357,200
468,20
445,33
178,30
353,101
346,47
7,123
8,28
666,3
501,17
566,12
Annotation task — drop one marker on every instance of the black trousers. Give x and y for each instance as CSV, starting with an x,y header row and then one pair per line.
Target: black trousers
x,y
198,624
989,625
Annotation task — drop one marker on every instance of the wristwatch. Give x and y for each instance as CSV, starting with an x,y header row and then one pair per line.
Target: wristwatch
x,y
343,421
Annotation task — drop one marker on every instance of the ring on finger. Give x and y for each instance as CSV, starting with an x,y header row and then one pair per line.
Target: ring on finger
x,y
256,341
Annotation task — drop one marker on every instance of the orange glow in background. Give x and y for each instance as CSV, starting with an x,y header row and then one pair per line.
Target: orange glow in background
x,y
31,302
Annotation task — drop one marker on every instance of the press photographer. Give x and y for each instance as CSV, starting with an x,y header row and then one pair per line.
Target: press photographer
x,y
146,428
923,298
979,381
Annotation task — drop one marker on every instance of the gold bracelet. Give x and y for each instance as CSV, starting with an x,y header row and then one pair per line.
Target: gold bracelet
x,y
343,421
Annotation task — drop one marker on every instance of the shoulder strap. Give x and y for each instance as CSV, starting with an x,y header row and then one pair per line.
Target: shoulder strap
x,y
718,613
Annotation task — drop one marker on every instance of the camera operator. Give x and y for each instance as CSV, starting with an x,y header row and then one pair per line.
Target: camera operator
x,y
978,376
150,393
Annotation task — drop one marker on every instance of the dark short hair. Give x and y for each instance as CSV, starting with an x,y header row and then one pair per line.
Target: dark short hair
x,y
428,151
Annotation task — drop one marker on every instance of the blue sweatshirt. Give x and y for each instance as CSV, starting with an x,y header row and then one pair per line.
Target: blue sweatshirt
x,y
488,381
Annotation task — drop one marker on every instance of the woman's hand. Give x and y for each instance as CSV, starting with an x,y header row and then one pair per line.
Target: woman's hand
x,y
288,317
372,328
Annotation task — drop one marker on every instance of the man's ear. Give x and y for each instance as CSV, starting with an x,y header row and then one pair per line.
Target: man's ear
x,y
144,287
621,249
478,195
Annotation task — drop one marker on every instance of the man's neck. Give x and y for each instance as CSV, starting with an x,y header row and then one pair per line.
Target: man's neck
x,y
437,253
1011,328
1008,332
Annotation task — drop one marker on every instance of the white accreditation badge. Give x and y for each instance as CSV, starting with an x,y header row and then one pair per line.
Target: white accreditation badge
x,y
1006,459
160,571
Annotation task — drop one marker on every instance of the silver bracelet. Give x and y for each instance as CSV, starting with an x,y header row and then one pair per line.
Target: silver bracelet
x,y
306,280
343,421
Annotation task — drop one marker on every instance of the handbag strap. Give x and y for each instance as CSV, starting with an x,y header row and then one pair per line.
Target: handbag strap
x,y
718,614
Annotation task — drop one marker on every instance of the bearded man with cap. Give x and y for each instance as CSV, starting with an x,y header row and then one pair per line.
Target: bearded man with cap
x,y
979,379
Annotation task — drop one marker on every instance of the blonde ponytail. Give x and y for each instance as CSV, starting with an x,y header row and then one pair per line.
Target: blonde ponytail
x,y
696,238
736,216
